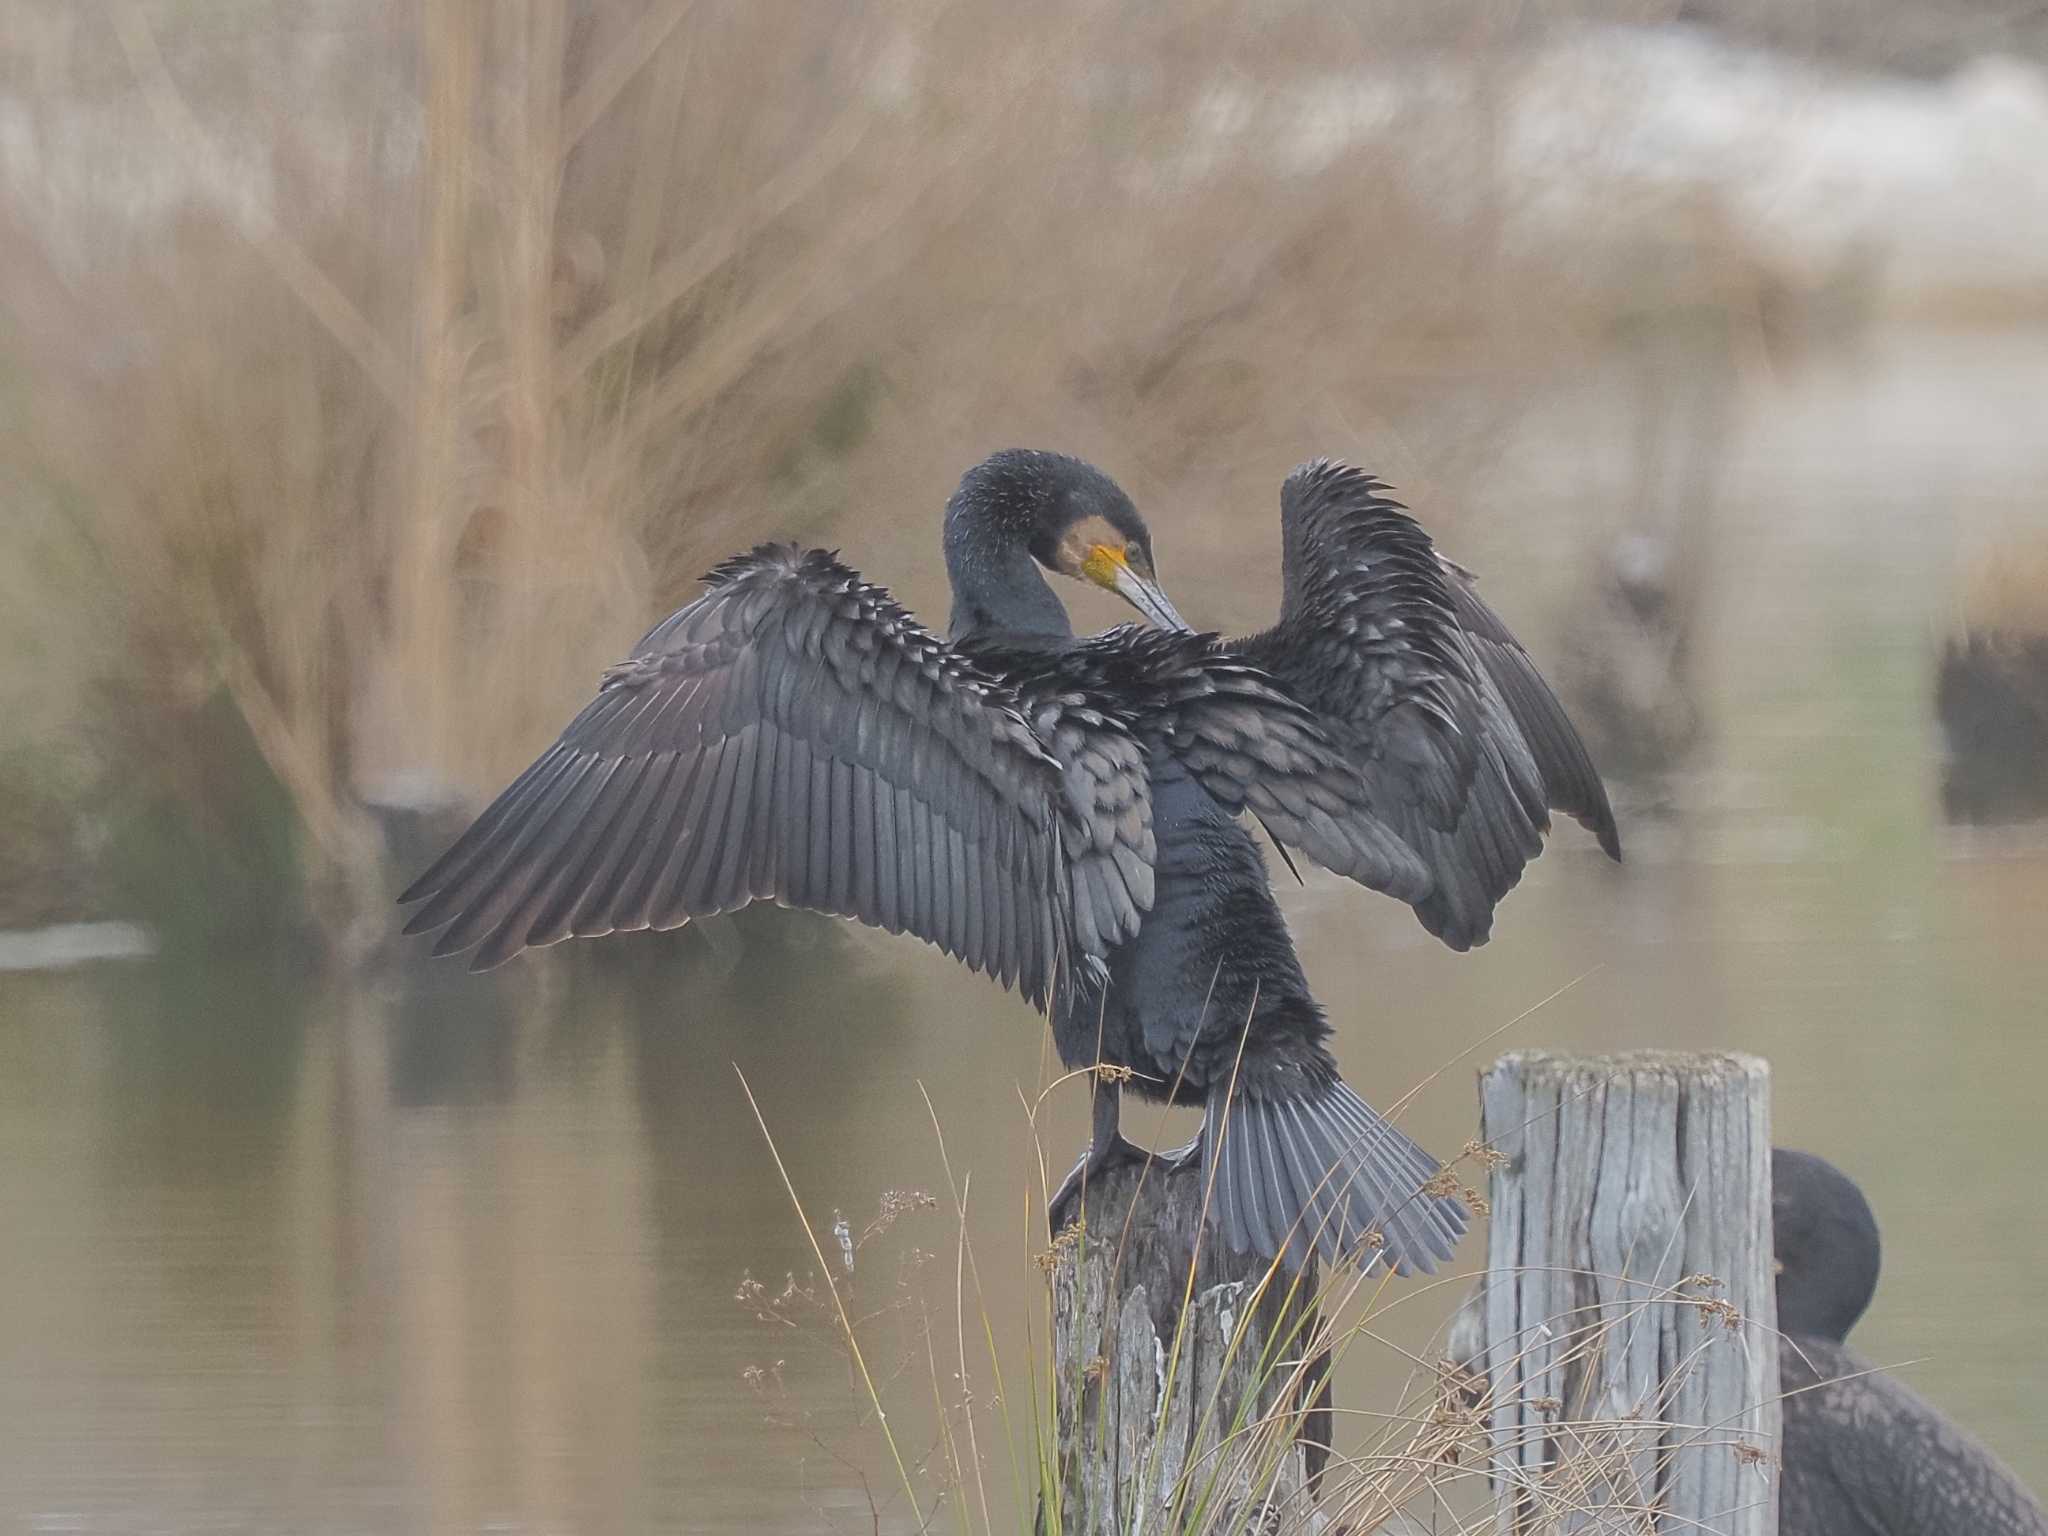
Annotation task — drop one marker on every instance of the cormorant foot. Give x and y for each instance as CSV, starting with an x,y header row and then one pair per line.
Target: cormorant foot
x,y
1065,1204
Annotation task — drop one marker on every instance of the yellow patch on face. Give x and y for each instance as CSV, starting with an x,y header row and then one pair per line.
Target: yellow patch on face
x,y
1103,563
1094,550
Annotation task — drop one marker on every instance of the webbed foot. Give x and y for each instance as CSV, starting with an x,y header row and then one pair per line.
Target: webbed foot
x,y
1100,1157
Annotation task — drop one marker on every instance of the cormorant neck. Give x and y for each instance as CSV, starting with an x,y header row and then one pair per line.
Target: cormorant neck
x,y
998,589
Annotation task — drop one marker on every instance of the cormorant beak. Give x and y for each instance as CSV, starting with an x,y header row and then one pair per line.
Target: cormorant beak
x,y
1111,568
1145,596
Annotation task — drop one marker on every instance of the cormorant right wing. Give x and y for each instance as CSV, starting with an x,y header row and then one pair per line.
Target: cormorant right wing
x,y
1374,638
792,734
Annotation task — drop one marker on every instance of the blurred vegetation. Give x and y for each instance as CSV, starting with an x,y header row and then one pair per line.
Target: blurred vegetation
x,y
371,371
1991,691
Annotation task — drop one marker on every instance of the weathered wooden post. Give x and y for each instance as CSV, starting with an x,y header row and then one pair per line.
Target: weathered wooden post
x,y
1625,1327
1179,1409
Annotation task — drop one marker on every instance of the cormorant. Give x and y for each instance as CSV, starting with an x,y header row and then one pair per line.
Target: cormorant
x,y
1063,813
1864,1454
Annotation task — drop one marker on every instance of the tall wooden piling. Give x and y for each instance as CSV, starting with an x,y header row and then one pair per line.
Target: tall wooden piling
x,y
1625,1326
1180,1407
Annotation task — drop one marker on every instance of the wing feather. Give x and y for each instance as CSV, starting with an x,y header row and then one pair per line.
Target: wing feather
x,y
630,907
796,820
765,846
623,802
863,859
1571,782
888,902
480,849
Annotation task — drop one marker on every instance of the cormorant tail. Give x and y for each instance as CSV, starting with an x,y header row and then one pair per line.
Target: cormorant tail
x,y
1325,1169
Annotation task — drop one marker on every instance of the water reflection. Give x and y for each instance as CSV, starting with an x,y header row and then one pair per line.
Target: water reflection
x,y
440,1252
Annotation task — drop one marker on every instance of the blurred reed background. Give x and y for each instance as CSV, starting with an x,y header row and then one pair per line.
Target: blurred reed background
x,y
372,372
377,369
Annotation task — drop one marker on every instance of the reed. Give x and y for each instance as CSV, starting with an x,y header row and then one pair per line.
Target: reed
x,y
938,1438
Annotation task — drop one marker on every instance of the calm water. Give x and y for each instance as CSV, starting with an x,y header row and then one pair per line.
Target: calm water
x,y
439,1253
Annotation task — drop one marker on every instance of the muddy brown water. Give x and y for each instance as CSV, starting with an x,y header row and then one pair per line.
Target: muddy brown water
x,y
428,1253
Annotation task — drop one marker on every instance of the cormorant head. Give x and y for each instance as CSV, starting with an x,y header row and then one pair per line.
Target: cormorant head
x,y
1825,1240
1066,515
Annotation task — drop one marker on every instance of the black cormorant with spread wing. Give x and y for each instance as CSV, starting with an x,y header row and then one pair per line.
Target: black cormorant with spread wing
x,y
1065,814
1864,1454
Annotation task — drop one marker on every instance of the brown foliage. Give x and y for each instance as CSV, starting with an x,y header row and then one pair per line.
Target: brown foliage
x,y
421,354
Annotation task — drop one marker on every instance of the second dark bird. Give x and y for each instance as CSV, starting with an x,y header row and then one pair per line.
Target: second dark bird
x,y
1864,1454
1064,813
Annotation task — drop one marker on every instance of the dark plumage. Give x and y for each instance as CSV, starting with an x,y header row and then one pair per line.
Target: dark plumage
x,y
1463,744
1864,1454
1064,814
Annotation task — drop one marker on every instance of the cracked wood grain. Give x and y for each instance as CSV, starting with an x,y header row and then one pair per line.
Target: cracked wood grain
x,y
1174,1418
1626,1325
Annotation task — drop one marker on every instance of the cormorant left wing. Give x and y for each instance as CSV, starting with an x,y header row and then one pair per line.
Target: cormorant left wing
x,y
792,734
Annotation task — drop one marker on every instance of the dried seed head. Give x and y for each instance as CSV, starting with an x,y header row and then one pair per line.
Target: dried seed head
x,y
1485,1153
1717,1307
1444,1184
1069,1235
